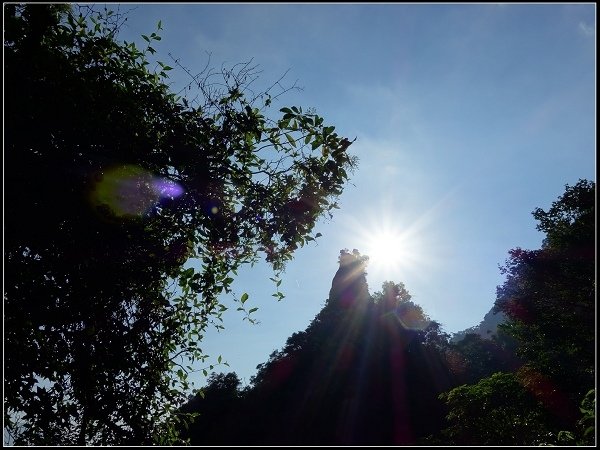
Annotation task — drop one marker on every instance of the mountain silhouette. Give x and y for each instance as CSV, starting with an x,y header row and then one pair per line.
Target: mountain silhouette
x,y
366,371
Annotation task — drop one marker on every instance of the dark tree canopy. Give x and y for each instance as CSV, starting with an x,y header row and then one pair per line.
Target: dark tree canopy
x,y
113,183
549,301
479,358
497,410
366,371
549,294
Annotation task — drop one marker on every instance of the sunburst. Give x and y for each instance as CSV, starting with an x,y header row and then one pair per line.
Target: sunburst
x,y
386,248
395,249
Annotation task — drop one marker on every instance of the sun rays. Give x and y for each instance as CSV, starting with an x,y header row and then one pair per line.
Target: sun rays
x,y
403,243
387,247
393,249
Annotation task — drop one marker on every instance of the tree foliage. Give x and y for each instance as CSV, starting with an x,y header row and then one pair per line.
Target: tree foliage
x,y
474,357
497,410
585,431
549,300
549,294
366,371
215,409
113,183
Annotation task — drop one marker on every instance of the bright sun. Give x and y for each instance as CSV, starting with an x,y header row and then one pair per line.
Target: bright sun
x,y
386,248
395,249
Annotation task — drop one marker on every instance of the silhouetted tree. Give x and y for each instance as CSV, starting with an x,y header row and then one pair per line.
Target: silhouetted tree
x,y
548,298
215,410
584,432
113,183
497,410
483,357
367,370
549,295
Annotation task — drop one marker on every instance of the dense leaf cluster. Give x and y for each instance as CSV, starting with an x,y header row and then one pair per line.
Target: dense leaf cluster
x,y
549,301
113,183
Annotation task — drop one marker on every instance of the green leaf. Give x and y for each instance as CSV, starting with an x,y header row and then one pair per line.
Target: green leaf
x,y
286,110
146,38
219,359
252,310
290,139
244,297
159,25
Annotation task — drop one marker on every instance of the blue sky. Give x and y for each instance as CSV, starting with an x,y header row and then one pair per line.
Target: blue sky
x,y
467,117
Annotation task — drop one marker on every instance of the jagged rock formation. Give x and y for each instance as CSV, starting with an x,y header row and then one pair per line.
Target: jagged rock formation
x,y
486,329
349,285
366,371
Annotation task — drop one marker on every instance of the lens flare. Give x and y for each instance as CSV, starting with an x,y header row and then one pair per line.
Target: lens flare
x,y
129,190
411,318
167,188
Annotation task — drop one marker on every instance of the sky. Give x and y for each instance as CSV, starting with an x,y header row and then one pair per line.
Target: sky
x,y
467,117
